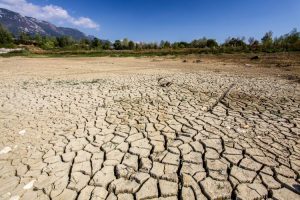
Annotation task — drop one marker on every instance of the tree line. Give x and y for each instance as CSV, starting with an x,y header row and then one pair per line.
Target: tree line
x,y
286,42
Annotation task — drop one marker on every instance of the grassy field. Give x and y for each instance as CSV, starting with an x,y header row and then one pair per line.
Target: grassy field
x,y
37,52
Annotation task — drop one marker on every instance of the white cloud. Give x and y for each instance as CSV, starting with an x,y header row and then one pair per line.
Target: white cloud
x,y
84,21
49,12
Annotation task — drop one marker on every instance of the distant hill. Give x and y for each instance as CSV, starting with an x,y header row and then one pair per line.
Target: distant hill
x,y
17,23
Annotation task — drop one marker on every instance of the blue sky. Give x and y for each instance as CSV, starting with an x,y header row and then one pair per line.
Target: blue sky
x,y
174,20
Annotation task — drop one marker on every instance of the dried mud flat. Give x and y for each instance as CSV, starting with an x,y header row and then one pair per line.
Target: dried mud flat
x,y
126,128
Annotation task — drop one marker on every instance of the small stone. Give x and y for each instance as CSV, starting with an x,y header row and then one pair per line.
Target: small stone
x,y
5,150
29,185
22,132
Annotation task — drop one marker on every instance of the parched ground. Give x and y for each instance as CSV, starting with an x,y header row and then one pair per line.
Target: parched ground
x,y
144,128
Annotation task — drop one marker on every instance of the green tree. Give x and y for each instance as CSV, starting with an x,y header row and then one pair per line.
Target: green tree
x,y
5,37
201,43
38,39
175,45
64,41
131,45
235,42
96,43
118,45
267,40
24,38
183,45
125,43
292,40
106,45
165,44
84,43
48,42
211,43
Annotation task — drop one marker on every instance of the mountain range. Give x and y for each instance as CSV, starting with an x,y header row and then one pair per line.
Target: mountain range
x,y
16,23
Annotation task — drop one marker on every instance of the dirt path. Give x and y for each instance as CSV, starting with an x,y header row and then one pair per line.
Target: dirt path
x,y
128,128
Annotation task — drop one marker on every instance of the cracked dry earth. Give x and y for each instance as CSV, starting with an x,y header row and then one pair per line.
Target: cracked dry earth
x,y
176,135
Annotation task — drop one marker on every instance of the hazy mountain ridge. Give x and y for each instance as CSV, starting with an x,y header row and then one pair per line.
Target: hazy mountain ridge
x,y
17,23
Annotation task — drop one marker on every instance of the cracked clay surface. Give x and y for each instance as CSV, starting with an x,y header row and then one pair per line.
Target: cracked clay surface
x,y
167,135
